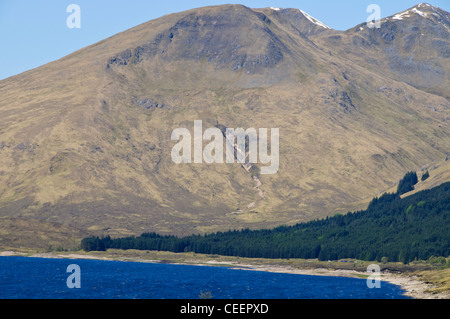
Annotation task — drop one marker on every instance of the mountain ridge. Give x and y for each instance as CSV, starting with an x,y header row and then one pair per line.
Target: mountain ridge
x,y
410,57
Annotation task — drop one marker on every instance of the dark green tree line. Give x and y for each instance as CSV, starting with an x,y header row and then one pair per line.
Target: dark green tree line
x,y
416,227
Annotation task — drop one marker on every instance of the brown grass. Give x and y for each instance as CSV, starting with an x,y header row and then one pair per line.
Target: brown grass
x,y
77,152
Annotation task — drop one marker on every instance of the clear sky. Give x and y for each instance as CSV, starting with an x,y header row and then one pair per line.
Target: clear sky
x,y
34,32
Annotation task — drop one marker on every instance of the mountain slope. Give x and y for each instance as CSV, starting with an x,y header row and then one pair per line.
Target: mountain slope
x,y
85,141
412,46
398,229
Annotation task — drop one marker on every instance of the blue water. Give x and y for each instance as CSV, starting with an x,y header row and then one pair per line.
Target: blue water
x,y
43,278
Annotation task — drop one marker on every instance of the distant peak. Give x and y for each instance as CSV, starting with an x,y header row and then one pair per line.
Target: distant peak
x,y
422,9
314,20
426,7
423,4
409,13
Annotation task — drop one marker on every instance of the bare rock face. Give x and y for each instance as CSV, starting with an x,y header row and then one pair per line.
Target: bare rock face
x,y
216,38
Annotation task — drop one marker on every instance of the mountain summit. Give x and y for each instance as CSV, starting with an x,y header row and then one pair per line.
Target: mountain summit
x,y
301,20
85,141
412,46
423,10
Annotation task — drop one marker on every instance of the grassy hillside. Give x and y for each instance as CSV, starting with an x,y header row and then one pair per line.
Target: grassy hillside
x,y
85,150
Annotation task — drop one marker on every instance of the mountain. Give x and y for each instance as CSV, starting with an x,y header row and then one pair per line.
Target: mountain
x,y
412,46
85,141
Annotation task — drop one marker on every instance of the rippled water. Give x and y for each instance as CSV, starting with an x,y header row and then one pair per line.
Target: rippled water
x,y
46,278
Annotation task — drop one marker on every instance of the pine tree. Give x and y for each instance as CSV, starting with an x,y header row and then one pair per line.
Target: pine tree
x,y
407,183
425,176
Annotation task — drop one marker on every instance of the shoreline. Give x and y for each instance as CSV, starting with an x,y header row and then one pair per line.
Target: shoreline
x,y
412,286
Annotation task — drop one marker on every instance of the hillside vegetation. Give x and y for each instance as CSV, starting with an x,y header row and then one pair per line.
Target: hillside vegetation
x,y
391,228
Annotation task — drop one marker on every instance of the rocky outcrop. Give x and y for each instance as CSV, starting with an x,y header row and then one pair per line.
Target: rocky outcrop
x,y
149,103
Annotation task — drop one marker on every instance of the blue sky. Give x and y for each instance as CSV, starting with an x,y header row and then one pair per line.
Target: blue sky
x,y
33,33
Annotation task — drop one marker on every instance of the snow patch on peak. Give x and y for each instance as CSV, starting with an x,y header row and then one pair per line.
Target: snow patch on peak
x,y
314,20
407,13
400,16
276,9
423,14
